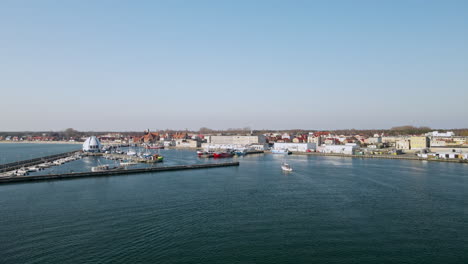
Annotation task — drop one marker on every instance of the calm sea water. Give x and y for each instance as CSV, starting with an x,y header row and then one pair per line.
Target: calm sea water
x,y
10,152
329,210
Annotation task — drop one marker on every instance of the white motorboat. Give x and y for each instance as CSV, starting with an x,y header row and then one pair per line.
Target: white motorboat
x,y
34,168
280,151
286,167
45,165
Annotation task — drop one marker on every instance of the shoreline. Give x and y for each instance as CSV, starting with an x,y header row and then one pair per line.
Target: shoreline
x,y
40,142
376,157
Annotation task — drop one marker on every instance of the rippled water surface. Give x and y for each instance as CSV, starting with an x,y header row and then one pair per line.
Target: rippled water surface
x,y
10,152
329,210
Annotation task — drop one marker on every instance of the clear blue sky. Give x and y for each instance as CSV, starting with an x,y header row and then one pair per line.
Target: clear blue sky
x,y
131,65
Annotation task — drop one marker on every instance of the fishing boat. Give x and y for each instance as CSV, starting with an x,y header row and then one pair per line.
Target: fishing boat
x,y
280,151
223,155
240,151
205,154
157,158
286,167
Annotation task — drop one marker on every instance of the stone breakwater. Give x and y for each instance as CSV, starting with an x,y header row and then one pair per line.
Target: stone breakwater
x,y
114,172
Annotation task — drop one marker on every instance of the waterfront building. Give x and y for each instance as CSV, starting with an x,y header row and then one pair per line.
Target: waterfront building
x,y
449,149
338,149
235,140
299,147
419,143
373,140
440,134
403,144
92,144
169,143
187,143
259,147
444,155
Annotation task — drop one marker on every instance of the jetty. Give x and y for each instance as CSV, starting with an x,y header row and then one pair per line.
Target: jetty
x,y
113,172
31,162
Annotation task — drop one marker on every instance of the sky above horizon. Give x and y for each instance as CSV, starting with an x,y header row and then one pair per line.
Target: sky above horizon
x,y
132,65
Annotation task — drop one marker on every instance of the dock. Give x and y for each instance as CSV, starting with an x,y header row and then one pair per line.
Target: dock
x,y
114,172
31,162
115,156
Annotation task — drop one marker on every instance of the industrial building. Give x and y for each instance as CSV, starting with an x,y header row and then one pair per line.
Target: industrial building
x,y
419,143
234,142
440,134
186,143
338,149
299,147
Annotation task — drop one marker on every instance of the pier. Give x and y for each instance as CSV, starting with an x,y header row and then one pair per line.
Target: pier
x,y
31,162
114,172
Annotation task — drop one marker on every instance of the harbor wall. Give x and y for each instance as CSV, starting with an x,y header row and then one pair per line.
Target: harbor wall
x,y
114,172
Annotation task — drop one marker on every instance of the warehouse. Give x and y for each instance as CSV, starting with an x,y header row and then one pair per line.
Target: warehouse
x,y
298,147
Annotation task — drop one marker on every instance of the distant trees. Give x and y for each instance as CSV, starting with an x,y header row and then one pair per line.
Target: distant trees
x,y
70,132
409,130
205,130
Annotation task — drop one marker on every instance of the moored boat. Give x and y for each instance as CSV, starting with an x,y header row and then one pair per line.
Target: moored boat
x,y
222,154
205,154
154,147
280,151
157,158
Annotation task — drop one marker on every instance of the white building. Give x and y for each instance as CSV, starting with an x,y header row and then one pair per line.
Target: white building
x,y
440,134
299,147
233,142
444,155
403,144
236,140
259,147
186,143
316,140
92,144
339,149
373,140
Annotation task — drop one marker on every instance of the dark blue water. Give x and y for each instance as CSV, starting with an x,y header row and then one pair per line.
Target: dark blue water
x,y
10,152
329,210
